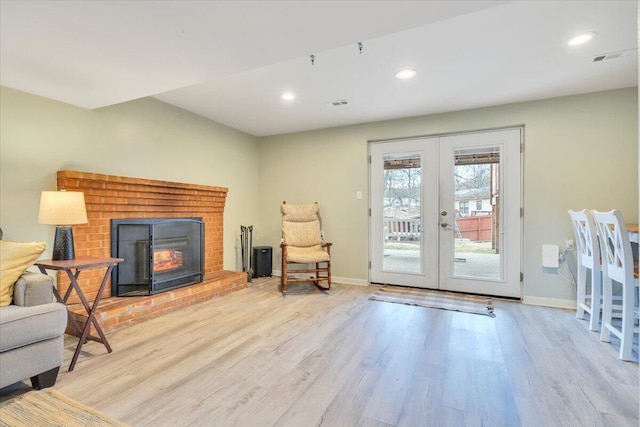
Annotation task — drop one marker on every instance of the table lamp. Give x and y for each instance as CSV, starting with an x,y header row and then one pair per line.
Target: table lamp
x,y
62,209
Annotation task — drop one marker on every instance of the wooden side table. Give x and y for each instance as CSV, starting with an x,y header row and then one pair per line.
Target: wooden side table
x,y
73,268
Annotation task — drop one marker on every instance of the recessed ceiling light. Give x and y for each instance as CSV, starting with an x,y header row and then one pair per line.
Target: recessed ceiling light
x,y
581,38
288,96
405,74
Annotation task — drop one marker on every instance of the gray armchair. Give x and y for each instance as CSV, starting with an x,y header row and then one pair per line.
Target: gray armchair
x,y
32,333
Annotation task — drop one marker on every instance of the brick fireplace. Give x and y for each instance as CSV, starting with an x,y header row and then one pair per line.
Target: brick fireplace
x,y
115,197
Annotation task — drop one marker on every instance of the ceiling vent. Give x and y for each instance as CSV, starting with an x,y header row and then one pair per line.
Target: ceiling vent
x,y
616,55
338,103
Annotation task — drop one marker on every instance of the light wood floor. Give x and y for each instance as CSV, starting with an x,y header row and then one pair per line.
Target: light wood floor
x,y
253,358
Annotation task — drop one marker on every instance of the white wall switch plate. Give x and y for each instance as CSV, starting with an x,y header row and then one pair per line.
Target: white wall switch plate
x,y
359,195
550,256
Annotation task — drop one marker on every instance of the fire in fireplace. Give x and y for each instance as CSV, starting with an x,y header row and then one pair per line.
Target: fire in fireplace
x,y
167,259
159,254
168,254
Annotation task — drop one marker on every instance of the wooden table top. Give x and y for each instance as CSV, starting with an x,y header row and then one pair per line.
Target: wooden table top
x,y
79,263
632,228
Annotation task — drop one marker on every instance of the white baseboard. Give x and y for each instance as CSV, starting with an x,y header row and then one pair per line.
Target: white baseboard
x,y
529,300
335,279
350,281
549,302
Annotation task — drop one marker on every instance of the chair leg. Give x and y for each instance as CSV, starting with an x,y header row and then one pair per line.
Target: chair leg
x,y
317,279
283,282
45,379
581,297
607,309
596,292
626,339
283,277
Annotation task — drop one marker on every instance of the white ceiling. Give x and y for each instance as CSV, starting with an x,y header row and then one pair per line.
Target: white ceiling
x,y
231,61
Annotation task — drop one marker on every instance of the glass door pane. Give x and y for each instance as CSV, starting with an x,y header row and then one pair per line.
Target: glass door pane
x,y
476,176
402,190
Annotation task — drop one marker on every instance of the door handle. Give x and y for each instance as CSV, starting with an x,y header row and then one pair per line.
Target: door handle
x,y
444,224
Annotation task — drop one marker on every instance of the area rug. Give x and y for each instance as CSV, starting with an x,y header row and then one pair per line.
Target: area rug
x,y
49,408
473,304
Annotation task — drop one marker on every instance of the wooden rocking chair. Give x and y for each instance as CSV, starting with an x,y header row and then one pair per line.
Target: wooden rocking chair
x,y
302,244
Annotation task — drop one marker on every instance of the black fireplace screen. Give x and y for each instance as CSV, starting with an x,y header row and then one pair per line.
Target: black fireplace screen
x,y
159,254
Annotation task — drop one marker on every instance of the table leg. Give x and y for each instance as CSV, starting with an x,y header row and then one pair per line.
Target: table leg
x,y
74,285
95,307
91,319
61,300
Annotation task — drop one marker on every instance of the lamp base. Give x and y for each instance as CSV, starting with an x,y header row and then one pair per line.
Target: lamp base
x,y
63,244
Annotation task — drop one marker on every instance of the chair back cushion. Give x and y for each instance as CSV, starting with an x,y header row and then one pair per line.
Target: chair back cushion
x,y
15,258
299,213
301,225
301,234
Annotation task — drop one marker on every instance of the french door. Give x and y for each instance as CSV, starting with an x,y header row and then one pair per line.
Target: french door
x,y
445,212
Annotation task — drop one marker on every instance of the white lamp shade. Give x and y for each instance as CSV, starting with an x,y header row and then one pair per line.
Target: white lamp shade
x,y
62,208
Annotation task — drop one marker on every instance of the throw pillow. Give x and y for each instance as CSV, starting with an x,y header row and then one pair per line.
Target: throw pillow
x,y
15,258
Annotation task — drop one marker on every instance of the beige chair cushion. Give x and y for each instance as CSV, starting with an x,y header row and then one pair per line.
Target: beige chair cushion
x,y
299,213
307,255
15,258
301,234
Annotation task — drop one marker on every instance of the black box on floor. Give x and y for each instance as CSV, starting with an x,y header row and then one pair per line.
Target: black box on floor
x,y
262,259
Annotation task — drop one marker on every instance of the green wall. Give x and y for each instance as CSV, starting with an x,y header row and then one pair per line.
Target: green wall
x,y
580,152
143,139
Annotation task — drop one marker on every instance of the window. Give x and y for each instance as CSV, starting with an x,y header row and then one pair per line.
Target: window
x,y
464,208
478,205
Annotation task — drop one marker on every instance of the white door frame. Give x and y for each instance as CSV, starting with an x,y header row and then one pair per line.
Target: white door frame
x,y
509,219
427,277
432,159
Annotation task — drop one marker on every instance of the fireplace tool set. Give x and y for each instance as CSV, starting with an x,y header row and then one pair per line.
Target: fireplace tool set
x,y
246,243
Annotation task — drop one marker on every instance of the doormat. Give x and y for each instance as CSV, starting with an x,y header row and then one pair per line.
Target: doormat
x,y
473,304
48,407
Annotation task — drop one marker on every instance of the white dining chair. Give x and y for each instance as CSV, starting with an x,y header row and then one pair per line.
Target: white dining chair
x,y
617,265
588,251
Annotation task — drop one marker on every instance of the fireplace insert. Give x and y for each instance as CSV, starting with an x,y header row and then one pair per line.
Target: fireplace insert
x,y
159,254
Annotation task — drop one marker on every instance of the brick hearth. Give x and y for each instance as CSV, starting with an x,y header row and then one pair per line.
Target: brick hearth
x,y
119,312
114,197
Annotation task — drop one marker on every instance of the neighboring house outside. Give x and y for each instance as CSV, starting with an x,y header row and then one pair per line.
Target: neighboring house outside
x,y
473,202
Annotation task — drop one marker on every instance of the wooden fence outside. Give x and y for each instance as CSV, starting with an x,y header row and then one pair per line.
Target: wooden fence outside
x,y
475,228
